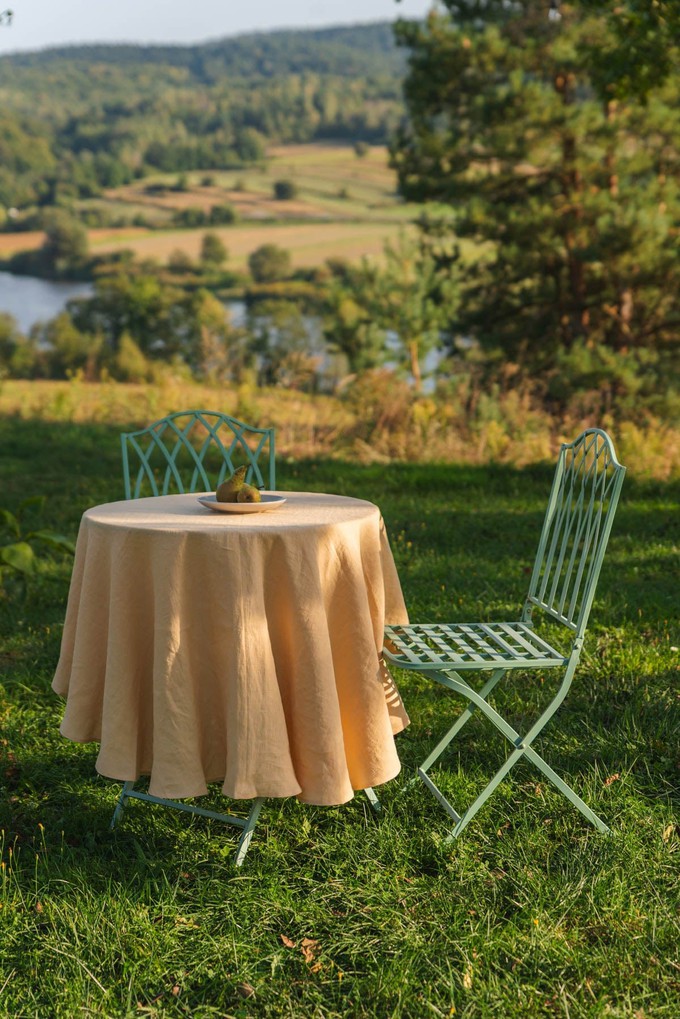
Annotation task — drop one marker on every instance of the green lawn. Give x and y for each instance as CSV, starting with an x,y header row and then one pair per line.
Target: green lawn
x,y
530,913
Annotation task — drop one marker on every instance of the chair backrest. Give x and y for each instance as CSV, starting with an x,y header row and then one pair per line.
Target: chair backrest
x,y
576,528
194,450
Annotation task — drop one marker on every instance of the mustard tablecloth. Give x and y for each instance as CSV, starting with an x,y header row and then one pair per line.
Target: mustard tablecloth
x,y
201,646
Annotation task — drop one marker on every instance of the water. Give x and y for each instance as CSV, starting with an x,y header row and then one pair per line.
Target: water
x,y
30,300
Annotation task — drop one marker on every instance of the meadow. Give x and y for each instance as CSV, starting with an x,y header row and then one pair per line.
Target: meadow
x,y
345,207
337,912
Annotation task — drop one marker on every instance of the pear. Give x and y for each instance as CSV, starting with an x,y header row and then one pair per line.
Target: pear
x,y
248,493
231,486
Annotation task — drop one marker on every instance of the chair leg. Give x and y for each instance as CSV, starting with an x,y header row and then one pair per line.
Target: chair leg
x,y
373,800
461,721
522,747
248,829
247,825
484,795
568,791
120,805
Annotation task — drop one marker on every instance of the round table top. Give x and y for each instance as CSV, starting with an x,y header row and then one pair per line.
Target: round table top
x,y
186,513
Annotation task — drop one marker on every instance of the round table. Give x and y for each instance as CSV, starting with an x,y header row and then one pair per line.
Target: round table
x,y
241,648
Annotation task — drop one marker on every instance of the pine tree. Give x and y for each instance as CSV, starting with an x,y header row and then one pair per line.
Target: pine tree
x,y
564,176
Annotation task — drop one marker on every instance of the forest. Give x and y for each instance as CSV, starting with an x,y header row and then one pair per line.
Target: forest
x,y
535,150
80,119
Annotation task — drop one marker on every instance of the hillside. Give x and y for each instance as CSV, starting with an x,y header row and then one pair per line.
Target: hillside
x,y
348,51
76,120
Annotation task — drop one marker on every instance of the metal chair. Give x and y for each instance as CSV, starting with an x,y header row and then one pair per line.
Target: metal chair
x,y
190,451
193,450
583,500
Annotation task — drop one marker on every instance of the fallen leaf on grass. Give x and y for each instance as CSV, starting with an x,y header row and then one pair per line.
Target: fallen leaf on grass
x,y
669,831
287,942
310,948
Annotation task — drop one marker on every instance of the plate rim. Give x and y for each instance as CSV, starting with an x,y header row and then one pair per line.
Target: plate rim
x,y
269,501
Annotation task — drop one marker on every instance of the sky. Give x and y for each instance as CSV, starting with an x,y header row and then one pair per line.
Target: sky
x,y
37,24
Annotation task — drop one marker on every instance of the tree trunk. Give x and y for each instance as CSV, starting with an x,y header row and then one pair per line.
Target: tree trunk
x,y
415,366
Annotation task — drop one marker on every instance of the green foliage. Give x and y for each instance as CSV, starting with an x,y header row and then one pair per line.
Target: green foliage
x,y
642,50
213,251
349,328
129,363
281,343
269,263
66,244
23,550
218,215
81,119
10,339
64,349
399,308
180,262
285,190
572,198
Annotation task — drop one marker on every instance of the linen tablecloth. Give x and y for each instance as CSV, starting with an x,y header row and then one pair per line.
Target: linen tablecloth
x,y
201,646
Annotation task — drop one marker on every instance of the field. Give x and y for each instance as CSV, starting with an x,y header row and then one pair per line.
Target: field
x,y
530,913
346,206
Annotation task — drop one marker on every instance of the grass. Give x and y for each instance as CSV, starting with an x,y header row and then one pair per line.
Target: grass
x,y
531,913
376,421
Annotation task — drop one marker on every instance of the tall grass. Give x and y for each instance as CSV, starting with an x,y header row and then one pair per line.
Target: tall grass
x,y
375,419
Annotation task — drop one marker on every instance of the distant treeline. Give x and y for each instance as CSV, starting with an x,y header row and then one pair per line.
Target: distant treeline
x,y
79,119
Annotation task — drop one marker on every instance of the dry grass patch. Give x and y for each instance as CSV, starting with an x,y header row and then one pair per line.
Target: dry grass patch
x,y
309,244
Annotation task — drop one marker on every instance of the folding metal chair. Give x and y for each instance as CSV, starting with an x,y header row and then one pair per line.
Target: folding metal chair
x,y
190,451
571,549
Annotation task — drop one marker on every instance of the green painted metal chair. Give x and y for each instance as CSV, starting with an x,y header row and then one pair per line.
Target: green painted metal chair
x,y
192,451
571,549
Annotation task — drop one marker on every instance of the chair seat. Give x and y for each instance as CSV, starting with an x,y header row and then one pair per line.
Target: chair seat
x,y
469,646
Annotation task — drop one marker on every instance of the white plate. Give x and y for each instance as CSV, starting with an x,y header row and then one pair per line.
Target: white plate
x,y
267,502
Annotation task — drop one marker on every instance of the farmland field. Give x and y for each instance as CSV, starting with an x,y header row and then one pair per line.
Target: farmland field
x,y
345,207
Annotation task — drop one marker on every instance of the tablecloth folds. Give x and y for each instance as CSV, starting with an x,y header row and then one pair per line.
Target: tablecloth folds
x,y
202,647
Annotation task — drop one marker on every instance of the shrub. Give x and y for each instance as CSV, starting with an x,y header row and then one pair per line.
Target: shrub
x,y
269,263
285,190
213,251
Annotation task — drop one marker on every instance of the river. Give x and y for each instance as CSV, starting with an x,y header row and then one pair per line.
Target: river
x,y
30,300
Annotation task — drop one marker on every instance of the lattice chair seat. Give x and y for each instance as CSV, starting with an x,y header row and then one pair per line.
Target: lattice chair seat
x,y
470,646
578,521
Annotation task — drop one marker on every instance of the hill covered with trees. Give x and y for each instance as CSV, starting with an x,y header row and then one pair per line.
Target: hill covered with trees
x,y
78,119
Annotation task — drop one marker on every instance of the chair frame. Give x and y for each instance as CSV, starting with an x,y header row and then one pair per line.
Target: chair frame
x,y
247,824
177,428
583,500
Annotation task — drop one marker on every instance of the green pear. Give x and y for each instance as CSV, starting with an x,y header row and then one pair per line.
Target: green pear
x,y
248,493
231,486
